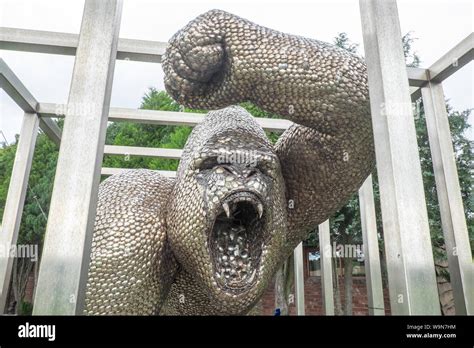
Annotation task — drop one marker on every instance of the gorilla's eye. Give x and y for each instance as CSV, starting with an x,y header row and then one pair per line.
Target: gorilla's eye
x,y
227,168
207,163
251,172
212,162
264,164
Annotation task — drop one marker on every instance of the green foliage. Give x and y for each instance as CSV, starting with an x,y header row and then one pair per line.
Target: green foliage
x,y
7,157
35,210
39,191
26,308
342,41
411,57
145,135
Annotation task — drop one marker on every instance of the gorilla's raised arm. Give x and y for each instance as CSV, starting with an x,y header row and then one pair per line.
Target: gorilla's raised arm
x,y
220,59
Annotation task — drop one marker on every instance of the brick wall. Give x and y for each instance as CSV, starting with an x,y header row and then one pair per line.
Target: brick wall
x,y
30,287
313,299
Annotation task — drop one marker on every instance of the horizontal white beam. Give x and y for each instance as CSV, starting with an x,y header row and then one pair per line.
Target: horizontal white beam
x,y
136,50
444,67
38,41
159,117
142,151
66,44
453,60
112,171
12,85
417,77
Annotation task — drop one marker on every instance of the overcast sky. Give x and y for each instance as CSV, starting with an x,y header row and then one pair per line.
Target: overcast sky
x,y
438,25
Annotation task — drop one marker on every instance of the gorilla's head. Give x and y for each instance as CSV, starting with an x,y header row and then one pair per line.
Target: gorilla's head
x,y
227,223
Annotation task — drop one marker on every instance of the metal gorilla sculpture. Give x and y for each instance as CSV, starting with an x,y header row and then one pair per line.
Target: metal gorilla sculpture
x,y
210,241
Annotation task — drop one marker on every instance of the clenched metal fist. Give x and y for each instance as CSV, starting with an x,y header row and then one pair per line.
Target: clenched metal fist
x,y
210,241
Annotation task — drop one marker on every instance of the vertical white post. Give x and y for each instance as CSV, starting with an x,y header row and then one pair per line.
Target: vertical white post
x,y
299,279
373,275
325,252
66,252
15,201
453,220
410,265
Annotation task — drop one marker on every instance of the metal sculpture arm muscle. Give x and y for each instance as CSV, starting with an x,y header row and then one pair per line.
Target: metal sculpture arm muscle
x,y
132,266
220,59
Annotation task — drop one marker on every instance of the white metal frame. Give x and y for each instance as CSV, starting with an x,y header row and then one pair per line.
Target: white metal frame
x,y
299,279
449,196
326,253
405,220
66,251
410,264
16,197
373,271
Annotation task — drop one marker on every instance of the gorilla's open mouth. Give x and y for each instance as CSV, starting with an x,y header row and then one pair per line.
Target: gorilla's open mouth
x,y
236,241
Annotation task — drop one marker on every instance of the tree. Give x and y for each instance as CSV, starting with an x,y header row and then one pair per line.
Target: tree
x,y
342,41
35,211
411,57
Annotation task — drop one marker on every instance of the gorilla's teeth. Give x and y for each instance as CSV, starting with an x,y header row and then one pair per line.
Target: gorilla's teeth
x,y
226,209
260,210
